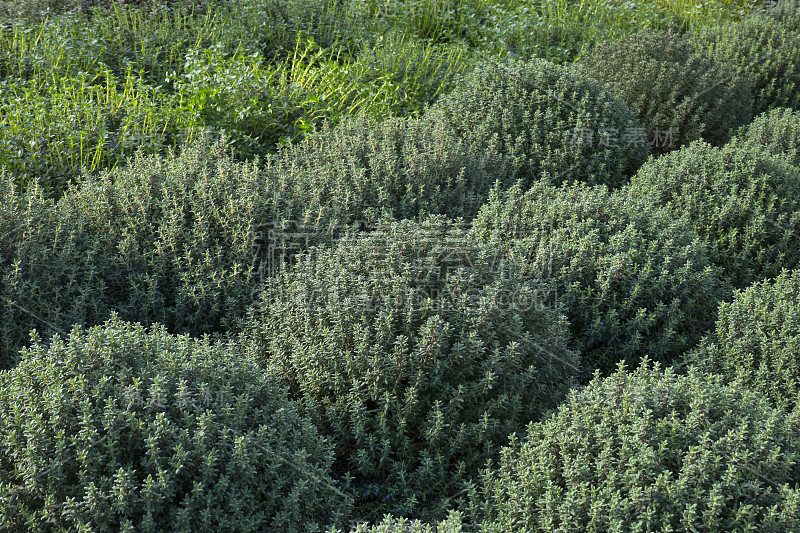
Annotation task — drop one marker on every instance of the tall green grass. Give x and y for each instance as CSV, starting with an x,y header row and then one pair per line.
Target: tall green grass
x,y
49,50
85,92
86,88
56,131
261,103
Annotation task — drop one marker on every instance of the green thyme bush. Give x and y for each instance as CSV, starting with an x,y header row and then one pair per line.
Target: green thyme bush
x,y
547,121
416,355
391,524
745,202
404,167
650,451
777,131
676,92
761,49
757,340
121,429
185,239
786,13
182,240
632,280
49,275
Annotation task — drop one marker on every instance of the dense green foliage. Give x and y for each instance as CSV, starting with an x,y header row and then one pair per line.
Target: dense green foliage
x,y
744,201
155,75
56,131
678,94
260,104
39,9
632,280
756,341
776,131
416,354
119,429
557,30
762,50
185,240
88,91
403,167
162,160
391,524
650,451
174,240
561,30
547,122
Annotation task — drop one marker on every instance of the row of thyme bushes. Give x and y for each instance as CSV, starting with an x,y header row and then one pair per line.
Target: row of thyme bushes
x,y
705,83
648,450
633,279
416,350
381,373
638,271
127,430
185,239
405,346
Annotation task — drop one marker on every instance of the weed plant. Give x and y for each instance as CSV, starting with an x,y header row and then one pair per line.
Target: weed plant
x,y
57,131
260,105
